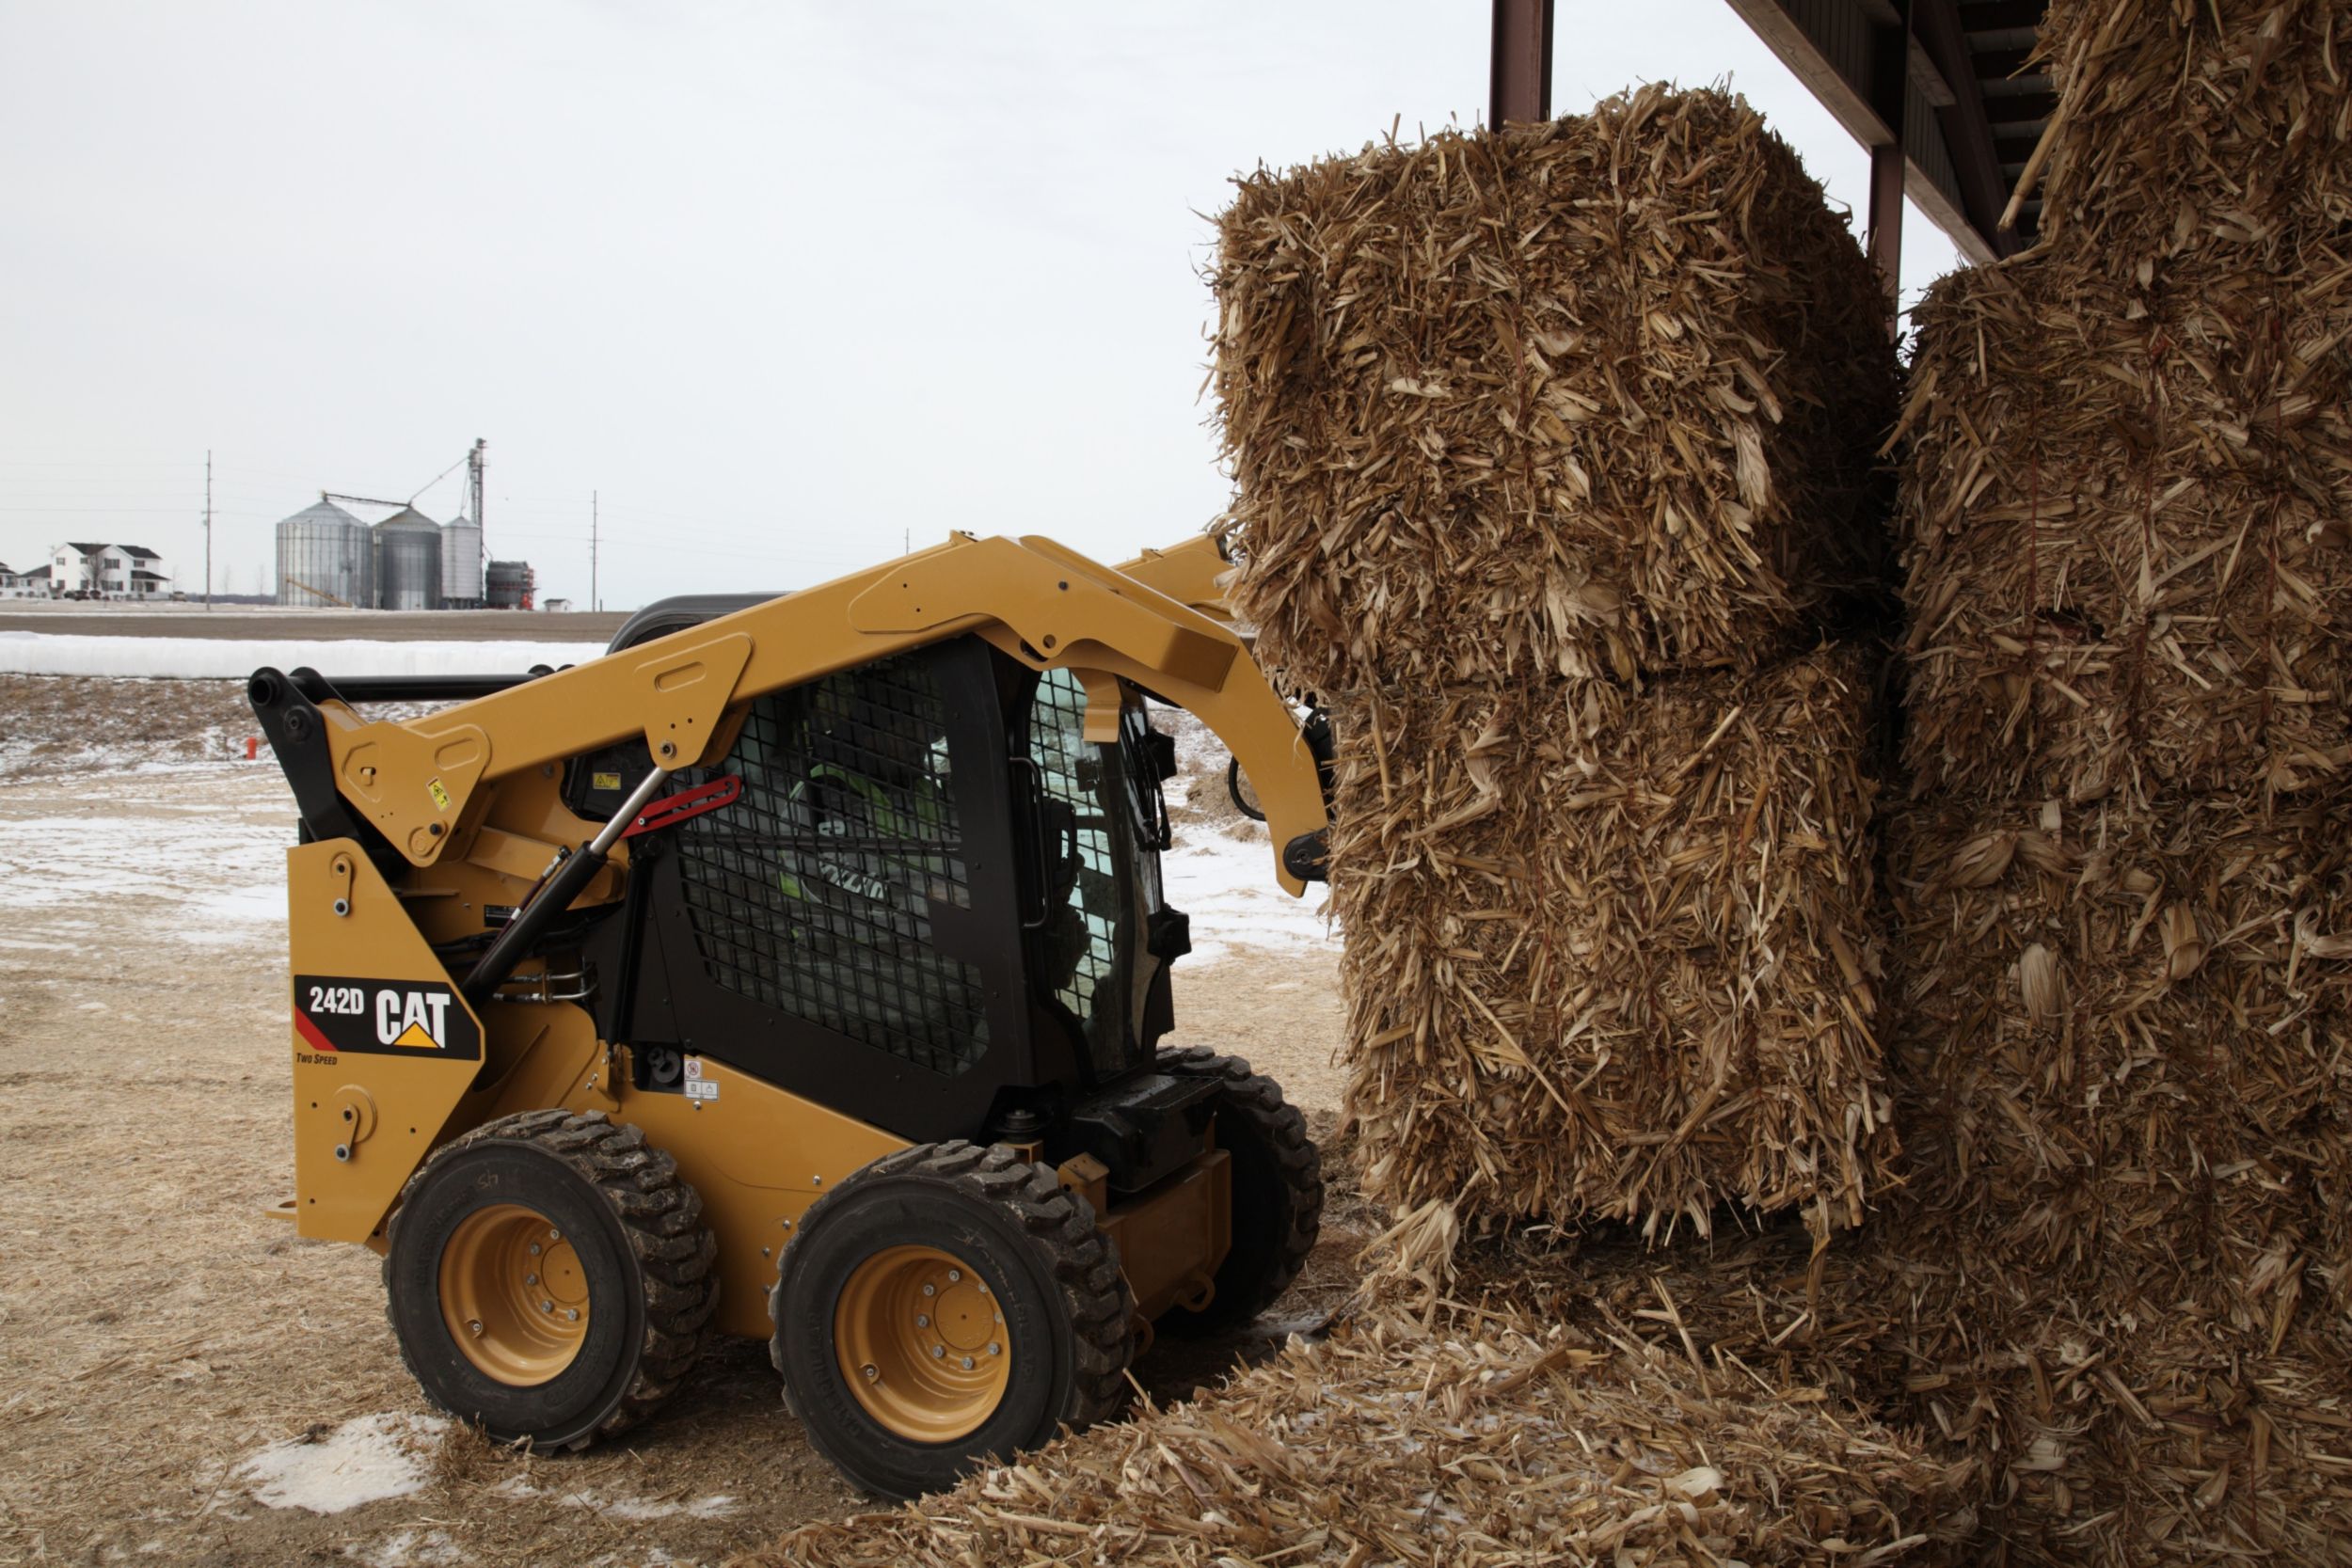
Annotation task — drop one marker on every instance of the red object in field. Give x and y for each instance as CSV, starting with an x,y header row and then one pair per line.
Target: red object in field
x,y
252,748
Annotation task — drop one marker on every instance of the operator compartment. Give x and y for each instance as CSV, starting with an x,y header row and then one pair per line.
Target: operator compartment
x,y
934,906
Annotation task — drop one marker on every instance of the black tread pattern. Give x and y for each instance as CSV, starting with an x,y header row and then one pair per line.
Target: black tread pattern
x,y
1058,1222
661,1214
1257,1101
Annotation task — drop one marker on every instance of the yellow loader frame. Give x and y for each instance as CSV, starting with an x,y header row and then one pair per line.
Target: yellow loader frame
x,y
472,798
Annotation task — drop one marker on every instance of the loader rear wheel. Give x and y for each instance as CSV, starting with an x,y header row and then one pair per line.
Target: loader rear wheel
x,y
1278,1191
946,1303
548,1277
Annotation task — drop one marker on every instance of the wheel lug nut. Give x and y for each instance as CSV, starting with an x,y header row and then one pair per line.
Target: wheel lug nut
x,y
922,1320
955,1276
534,1249
930,1290
572,1313
546,1306
473,1326
554,1235
995,1349
939,1353
531,1279
967,1363
872,1374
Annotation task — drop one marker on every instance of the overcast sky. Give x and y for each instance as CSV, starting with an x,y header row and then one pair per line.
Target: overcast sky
x,y
786,284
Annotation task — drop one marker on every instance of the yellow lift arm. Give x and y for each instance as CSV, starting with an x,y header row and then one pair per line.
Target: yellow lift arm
x,y
1041,604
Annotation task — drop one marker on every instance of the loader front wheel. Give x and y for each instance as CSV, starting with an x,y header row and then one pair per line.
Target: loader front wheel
x,y
1278,1191
548,1277
948,1304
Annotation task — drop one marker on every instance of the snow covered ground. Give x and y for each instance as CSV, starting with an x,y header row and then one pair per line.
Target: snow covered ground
x,y
1224,879
30,653
207,840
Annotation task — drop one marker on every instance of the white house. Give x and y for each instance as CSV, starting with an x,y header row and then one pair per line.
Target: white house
x,y
108,571
24,585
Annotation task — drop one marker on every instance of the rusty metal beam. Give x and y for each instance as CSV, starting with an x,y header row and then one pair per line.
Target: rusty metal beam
x,y
1519,80
1890,75
1967,134
1997,16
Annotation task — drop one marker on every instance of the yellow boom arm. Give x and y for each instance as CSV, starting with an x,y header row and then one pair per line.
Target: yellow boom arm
x,y
1045,605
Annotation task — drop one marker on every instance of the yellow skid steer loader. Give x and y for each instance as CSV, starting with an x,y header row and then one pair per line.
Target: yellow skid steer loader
x,y
794,970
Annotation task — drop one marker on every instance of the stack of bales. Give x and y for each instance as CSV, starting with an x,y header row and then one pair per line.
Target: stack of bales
x,y
2124,879
1554,463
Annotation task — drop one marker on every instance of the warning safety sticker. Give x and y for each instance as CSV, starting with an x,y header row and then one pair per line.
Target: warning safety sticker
x,y
333,1015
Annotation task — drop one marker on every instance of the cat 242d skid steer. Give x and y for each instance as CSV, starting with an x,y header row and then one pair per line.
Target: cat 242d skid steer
x,y
794,971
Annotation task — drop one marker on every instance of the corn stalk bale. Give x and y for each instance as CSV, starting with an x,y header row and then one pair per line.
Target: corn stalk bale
x,y
2168,1388
1593,397
2213,129
2128,1033
2102,1431
1389,1443
2126,516
2331,1185
1610,955
2117,1062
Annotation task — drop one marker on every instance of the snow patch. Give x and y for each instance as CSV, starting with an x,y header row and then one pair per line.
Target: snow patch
x,y
410,1548
365,1459
1226,884
636,1510
33,652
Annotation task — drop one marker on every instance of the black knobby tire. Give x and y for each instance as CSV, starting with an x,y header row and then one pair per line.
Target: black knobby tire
x,y
1278,1191
1067,1315
647,1263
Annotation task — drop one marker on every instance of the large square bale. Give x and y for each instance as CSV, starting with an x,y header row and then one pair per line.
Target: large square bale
x,y
2129,537
1597,396
1615,955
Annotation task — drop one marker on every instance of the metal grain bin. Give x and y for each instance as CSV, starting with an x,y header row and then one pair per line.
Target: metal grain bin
x,y
461,563
408,561
325,557
512,584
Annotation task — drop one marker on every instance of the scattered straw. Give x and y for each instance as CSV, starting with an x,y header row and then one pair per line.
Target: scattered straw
x,y
1390,1444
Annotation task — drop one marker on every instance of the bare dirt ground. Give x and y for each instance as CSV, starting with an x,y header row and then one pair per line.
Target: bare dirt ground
x,y
159,1333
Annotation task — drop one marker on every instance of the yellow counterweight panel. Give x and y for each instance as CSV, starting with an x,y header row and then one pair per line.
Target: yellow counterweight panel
x,y
760,1156
383,1051
757,1154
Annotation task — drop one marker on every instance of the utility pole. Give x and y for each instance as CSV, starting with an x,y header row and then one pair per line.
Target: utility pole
x,y
208,530
594,603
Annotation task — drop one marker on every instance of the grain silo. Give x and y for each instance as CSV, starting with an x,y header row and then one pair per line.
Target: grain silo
x,y
512,584
461,563
408,561
325,557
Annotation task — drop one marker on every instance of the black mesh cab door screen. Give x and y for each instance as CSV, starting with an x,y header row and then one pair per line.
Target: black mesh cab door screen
x,y
849,928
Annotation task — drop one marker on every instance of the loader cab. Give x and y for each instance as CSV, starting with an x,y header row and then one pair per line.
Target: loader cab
x,y
935,906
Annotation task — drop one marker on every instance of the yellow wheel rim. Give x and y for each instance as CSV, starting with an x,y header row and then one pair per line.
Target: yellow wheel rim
x,y
920,1339
513,1294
